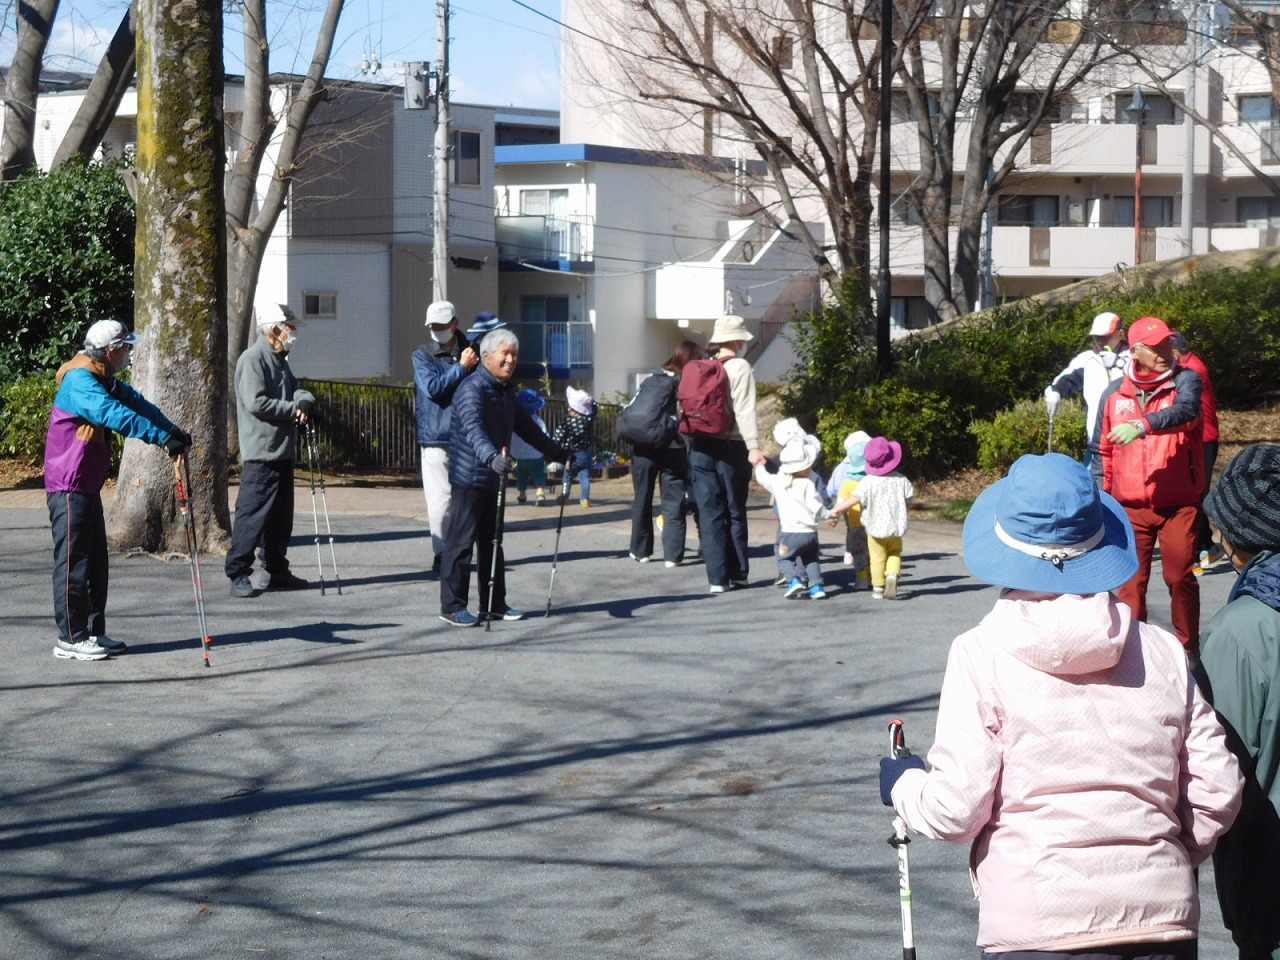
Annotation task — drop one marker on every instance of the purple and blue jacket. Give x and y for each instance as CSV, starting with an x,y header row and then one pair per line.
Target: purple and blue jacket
x,y
88,405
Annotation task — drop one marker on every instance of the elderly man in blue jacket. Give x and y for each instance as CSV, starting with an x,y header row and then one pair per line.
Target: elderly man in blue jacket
x,y
486,410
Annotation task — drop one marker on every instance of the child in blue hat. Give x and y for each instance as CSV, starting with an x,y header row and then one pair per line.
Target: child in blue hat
x,y
531,466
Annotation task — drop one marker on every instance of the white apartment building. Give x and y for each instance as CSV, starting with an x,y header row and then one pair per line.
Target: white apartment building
x,y
1068,211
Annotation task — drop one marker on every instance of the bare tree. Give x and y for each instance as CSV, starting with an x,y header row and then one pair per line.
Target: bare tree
x,y
22,86
976,59
250,218
106,91
179,281
791,83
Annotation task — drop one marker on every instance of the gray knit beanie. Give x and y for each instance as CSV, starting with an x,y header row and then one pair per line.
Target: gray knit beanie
x,y
1245,505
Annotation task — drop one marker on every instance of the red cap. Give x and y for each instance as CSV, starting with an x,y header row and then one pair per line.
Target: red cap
x,y
1149,331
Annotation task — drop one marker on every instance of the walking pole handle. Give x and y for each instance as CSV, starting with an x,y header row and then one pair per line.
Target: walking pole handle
x,y
897,741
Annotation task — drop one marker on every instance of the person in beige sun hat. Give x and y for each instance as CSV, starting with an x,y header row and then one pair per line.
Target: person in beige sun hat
x,y
721,465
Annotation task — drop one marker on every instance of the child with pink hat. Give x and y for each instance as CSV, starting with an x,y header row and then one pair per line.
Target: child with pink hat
x,y
883,494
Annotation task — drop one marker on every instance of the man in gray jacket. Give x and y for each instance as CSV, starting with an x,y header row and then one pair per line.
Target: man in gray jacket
x,y
269,408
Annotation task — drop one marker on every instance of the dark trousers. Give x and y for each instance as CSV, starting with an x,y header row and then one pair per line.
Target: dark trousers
x,y
798,557
473,519
264,515
721,477
668,467
1174,528
79,565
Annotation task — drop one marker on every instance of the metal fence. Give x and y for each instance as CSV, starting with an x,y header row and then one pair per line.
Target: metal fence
x,y
371,426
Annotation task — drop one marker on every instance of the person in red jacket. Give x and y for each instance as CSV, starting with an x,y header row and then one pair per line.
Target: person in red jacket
x,y
1209,552
1152,460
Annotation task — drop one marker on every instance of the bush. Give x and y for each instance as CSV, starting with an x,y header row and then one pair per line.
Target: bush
x,y
1024,428
26,404
944,381
66,260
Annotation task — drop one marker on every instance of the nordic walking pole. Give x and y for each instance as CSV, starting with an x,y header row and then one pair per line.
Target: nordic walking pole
x,y
317,472
555,556
899,840
182,473
315,517
497,542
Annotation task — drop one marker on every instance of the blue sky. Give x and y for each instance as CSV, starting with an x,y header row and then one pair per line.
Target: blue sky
x,y
502,52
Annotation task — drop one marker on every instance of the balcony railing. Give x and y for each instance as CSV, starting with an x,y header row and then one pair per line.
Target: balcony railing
x,y
565,349
545,238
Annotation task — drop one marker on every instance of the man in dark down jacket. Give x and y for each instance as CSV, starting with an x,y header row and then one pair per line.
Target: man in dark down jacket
x,y
1152,455
485,411
438,368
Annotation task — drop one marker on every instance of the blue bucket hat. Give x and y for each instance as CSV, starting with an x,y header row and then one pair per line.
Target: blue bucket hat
x,y
530,400
1046,527
486,322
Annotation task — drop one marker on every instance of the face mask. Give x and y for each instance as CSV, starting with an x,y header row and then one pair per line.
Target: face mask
x,y
289,340
441,336
126,363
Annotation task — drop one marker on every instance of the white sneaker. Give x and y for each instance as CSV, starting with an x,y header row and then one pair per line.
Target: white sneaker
x,y
848,559
669,564
112,647
638,559
718,588
84,650
891,587
877,593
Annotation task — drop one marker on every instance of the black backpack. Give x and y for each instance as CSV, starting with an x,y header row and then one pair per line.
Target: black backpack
x,y
650,418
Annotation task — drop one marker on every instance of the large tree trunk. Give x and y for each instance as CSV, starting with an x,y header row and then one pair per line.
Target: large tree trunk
x,y
179,285
22,85
107,89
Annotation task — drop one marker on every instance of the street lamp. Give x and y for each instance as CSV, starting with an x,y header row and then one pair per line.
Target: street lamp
x,y
1136,108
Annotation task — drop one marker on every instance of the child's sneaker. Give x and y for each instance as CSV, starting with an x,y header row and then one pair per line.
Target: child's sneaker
x,y
848,559
585,504
660,521
817,593
891,587
541,501
782,580
877,593
795,588
521,498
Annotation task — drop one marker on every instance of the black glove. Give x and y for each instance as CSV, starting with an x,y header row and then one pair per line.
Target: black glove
x,y
891,768
177,442
772,464
306,406
500,463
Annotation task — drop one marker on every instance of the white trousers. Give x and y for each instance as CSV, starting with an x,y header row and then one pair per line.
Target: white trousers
x,y
435,487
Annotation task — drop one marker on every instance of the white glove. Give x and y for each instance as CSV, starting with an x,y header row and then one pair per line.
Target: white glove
x,y
1051,400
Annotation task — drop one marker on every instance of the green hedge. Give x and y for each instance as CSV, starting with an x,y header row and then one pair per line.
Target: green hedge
x,y
25,405
948,389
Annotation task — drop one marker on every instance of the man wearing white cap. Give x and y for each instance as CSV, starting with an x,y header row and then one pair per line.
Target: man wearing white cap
x,y
91,403
269,408
1090,373
438,368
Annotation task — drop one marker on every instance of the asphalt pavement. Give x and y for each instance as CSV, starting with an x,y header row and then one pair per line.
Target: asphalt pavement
x,y
650,771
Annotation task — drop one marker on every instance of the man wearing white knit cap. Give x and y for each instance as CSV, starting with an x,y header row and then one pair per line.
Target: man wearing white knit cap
x,y
1090,373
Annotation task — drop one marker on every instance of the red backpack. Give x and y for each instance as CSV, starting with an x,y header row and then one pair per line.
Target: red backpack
x,y
706,407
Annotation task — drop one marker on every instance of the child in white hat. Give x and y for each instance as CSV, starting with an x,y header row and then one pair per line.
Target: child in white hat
x,y
577,433
801,507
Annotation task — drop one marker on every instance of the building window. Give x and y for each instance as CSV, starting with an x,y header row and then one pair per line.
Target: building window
x,y
1156,212
544,309
1258,211
1028,210
780,50
466,157
1259,110
1159,110
319,305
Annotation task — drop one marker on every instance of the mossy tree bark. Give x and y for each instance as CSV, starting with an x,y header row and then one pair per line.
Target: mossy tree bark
x,y
179,276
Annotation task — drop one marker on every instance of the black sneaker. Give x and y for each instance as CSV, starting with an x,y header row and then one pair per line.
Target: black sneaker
x,y
435,563
286,581
113,647
460,618
243,587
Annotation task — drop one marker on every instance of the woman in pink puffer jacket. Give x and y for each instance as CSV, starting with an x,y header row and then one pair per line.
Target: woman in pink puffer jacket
x,y
1073,748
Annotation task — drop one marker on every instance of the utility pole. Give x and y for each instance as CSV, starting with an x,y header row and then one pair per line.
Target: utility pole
x,y
884,353
1189,133
440,195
